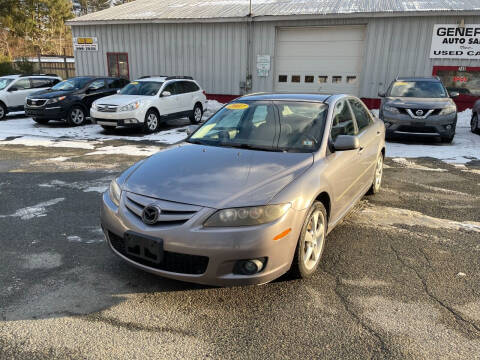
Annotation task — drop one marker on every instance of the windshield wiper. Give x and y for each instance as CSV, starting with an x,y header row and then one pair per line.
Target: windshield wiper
x,y
252,147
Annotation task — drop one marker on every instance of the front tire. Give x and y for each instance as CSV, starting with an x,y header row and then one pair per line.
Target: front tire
x,y
3,111
377,177
76,116
311,243
152,122
197,114
474,126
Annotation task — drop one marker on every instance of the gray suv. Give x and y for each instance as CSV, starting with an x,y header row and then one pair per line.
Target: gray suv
x,y
419,106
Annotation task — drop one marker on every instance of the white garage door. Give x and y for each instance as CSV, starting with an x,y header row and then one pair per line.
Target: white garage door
x,y
319,59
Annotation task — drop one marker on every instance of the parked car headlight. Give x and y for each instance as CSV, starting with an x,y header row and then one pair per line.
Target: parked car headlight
x,y
130,107
391,109
246,216
115,192
57,99
450,109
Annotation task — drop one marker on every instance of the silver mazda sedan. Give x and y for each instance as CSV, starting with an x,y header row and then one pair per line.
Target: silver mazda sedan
x,y
251,194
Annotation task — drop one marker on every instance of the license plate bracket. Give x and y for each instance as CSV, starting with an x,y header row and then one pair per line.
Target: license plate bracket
x,y
145,247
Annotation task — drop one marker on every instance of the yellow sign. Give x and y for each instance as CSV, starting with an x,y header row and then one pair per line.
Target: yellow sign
x,y
88,41
237,106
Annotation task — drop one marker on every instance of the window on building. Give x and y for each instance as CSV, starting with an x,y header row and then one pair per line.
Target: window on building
x,y
336,79
351,79
322,79
118,65
296,78
309,78
282,78
464,81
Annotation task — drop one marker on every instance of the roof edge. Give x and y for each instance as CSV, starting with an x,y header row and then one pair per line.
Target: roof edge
x,y
278,17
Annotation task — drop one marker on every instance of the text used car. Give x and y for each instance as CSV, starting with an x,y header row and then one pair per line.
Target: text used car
x,y
252,193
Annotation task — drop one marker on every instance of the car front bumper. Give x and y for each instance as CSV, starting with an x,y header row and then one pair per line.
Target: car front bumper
x,y
123,118
49,112
434,125
215,251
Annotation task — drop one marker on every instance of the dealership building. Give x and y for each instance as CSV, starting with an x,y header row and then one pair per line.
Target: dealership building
x,y
234,47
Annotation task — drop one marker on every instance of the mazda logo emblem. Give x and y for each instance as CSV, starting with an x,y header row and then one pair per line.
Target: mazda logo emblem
x,y
150,214
419,113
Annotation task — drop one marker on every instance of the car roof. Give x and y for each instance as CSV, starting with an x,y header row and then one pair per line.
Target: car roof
x,y
426,78
285,96
154,78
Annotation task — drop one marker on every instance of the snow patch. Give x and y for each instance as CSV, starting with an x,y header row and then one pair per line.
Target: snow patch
x,y
34,211
97,185
412,165
125,150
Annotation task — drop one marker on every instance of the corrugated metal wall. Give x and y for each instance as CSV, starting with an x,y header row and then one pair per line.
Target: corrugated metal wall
x,y
213,53
216,54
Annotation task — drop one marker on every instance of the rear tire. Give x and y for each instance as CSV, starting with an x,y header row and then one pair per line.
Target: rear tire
x,y
197,114
152,122
76,116
3,111
311,242
377,177
474,126
40,121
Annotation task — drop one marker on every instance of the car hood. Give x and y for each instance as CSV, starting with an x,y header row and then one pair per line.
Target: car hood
x,y
216,177
418,103
49,94
122,99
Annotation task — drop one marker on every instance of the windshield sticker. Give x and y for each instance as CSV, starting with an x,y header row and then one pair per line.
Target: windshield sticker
x,y
308,143
134,83
237,106
400,83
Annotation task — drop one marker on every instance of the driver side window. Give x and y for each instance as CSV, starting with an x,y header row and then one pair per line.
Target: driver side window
x,y
22,84
172,88
97,85
342,122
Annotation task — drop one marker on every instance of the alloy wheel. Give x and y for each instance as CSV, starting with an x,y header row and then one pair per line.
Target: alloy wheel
x,y
2,112
198,114
314,240
378,173
152,122
77,116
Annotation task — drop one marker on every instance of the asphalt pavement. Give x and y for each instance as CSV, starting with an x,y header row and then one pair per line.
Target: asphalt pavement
x,y
400,277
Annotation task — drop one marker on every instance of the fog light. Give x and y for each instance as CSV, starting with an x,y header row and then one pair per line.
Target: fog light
x,y
131,121
249,267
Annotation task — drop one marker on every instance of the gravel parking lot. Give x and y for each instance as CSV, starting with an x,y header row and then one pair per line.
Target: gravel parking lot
x,y
400,277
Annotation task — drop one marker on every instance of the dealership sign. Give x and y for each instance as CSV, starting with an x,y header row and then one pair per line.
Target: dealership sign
x,y
85,43
455,42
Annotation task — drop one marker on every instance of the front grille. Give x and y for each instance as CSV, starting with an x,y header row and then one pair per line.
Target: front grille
x,y
107,108
36,102
414,111
417,129
172,213
172,262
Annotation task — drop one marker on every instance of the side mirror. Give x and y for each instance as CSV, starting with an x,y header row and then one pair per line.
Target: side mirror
x,y
381,94
346,142
191,129
166,93
454,94
12,89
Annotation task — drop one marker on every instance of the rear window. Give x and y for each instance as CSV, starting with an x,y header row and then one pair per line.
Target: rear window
x,y
419,89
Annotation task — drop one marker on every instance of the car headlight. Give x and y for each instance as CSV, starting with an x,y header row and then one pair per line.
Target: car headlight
x,y
246,216
130,107
391,109
115,192
450,109
56,100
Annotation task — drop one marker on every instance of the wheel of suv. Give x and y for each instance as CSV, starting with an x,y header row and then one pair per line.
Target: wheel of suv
x,y
3,111
76,116
377,177
311,242
474,124
40,121
152,122
197,114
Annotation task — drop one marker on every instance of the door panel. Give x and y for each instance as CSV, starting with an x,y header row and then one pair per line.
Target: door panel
x,y
171,104
17,98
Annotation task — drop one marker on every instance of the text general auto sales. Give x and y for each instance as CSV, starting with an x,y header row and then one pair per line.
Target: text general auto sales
x,y
456,42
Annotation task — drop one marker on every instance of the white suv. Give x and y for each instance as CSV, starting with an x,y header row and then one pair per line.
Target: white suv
x,y
15,88
148,101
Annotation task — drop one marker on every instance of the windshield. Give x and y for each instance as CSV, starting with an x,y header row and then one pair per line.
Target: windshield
x,y
4,83
147,88
254,124
419,89
72,84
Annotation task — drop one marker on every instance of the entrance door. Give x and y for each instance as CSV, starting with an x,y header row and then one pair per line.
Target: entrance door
x,y
319,59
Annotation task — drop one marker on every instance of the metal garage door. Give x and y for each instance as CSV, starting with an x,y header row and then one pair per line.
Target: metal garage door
x,y
319,59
